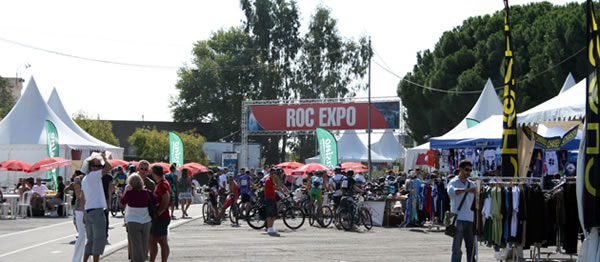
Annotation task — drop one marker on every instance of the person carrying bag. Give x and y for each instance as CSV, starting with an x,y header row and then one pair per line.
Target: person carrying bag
x,y
460,222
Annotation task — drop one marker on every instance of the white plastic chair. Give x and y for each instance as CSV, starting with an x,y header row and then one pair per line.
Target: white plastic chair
x,y
66,204
5,207
25,204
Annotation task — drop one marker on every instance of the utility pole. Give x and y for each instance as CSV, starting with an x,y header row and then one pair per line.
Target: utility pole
x,y
369,117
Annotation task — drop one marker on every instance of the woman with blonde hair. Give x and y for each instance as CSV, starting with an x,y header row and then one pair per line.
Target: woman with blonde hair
x,y
137,216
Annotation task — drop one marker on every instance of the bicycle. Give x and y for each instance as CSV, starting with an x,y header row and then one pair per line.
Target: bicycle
x,y
115,205
352,212
324,218
208,214
234,212
293,217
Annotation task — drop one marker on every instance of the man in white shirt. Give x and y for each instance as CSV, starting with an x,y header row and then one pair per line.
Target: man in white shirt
x,y
39,188
94,205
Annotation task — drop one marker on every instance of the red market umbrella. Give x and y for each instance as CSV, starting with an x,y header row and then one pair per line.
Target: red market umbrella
x,y
164,165
117,162
356,167
194,168
312,167
289,167
49,163
14,165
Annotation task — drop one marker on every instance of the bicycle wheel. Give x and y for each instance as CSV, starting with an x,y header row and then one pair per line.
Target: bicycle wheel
x,y
327,216
293,217
365,218
113,207
234,213
346,219
310,213
255,219
205,214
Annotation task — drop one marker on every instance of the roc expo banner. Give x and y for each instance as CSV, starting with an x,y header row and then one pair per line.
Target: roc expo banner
x,y
175,149
510,165
327,147
590,199
52,141
333,116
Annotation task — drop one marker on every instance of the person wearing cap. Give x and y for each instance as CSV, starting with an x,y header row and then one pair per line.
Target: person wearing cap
x,y
335,186
271,203
160,224
94,205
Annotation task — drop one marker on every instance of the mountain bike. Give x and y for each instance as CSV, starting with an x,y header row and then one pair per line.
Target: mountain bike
x,y
292,216
352,212
115,205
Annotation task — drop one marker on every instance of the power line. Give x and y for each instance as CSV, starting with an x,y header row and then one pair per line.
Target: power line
x,y
387,69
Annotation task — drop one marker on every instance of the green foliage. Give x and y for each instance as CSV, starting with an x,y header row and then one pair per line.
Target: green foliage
x,y
267,59
153,145
463,59
101,130
7,100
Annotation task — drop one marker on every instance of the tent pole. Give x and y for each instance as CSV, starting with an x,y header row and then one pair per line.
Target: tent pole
x,y
369,116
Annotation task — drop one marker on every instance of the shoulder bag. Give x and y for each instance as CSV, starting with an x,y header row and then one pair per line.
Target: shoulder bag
x,y
450,218
152,210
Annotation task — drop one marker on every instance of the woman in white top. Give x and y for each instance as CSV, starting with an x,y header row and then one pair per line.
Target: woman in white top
x,y
137,217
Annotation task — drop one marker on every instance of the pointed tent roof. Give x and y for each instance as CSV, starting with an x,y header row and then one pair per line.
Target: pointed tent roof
x,y
567,106
25,123
351,148
487,105
388,145
56,105
569,82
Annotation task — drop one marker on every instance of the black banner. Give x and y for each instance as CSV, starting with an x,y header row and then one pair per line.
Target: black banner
x,y
510,164
551,143
591,210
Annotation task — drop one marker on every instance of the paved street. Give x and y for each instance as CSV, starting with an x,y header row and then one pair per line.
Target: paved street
x,y
49,239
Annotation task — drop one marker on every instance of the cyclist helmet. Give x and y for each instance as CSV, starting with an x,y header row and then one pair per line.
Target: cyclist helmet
x,y
280,170
338,169
230,174
350,172
319,173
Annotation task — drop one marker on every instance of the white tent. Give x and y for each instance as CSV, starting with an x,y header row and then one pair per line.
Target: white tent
x,y
488,133
23,134
56,105
569,82
389,146
352,149
487,105
566,106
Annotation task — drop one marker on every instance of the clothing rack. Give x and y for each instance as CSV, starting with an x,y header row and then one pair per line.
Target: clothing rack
x,y
558,251
516,180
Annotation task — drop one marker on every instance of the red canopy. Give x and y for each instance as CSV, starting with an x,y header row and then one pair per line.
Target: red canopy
x,y
356,167
14,165
117,162
164,165
194,168
289,167
312,167
49,163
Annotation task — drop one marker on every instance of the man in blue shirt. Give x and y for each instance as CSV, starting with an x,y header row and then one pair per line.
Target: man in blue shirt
x,y
457,188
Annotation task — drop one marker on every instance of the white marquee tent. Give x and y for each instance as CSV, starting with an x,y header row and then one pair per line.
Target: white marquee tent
x,y
23,134
487,105
352,149
566,106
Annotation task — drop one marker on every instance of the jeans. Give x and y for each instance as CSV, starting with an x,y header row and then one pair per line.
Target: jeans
x,y
464,230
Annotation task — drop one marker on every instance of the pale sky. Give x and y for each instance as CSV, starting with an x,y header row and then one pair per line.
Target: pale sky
x,y
155,33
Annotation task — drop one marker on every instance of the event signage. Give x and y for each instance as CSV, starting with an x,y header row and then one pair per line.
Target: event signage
x,y
333,116
551,143
327,147
590,199
52,142
175,149
509,125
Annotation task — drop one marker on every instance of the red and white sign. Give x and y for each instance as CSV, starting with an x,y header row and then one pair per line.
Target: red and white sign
x,y
329,116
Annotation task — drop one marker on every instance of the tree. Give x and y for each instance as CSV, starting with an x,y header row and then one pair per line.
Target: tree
x,y
153,145
100,129
7,100
543,37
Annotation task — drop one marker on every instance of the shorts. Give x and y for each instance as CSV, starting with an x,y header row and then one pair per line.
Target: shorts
x,y
245,198
230,201
213,199
315,193
270,207
159,227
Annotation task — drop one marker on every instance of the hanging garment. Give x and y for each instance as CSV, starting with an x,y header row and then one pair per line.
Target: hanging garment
x,y
496,193
515,208
551,162
489,161
486,213
572,226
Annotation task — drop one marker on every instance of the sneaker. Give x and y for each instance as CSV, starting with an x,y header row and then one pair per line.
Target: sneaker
x,y
273,234
53,214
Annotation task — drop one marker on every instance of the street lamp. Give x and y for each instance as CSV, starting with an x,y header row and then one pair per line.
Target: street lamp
x,y
26,65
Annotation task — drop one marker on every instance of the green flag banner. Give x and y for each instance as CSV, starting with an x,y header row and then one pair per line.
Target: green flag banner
x,y
175,149
510,164
590,198
52,141
327,147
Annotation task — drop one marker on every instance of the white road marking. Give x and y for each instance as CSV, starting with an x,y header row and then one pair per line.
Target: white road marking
x,y
34,229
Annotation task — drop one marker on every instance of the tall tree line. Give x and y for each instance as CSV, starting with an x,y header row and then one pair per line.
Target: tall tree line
x,y
267,58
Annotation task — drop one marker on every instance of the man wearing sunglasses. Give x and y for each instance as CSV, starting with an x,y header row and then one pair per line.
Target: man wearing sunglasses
x,y
143,168
457,188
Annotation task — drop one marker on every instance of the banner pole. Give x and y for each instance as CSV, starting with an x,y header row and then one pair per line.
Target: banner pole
x,y
369,117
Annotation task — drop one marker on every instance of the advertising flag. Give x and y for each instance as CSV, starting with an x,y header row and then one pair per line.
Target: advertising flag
x,y
175,149
509,125
52,142
591,212
327,147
